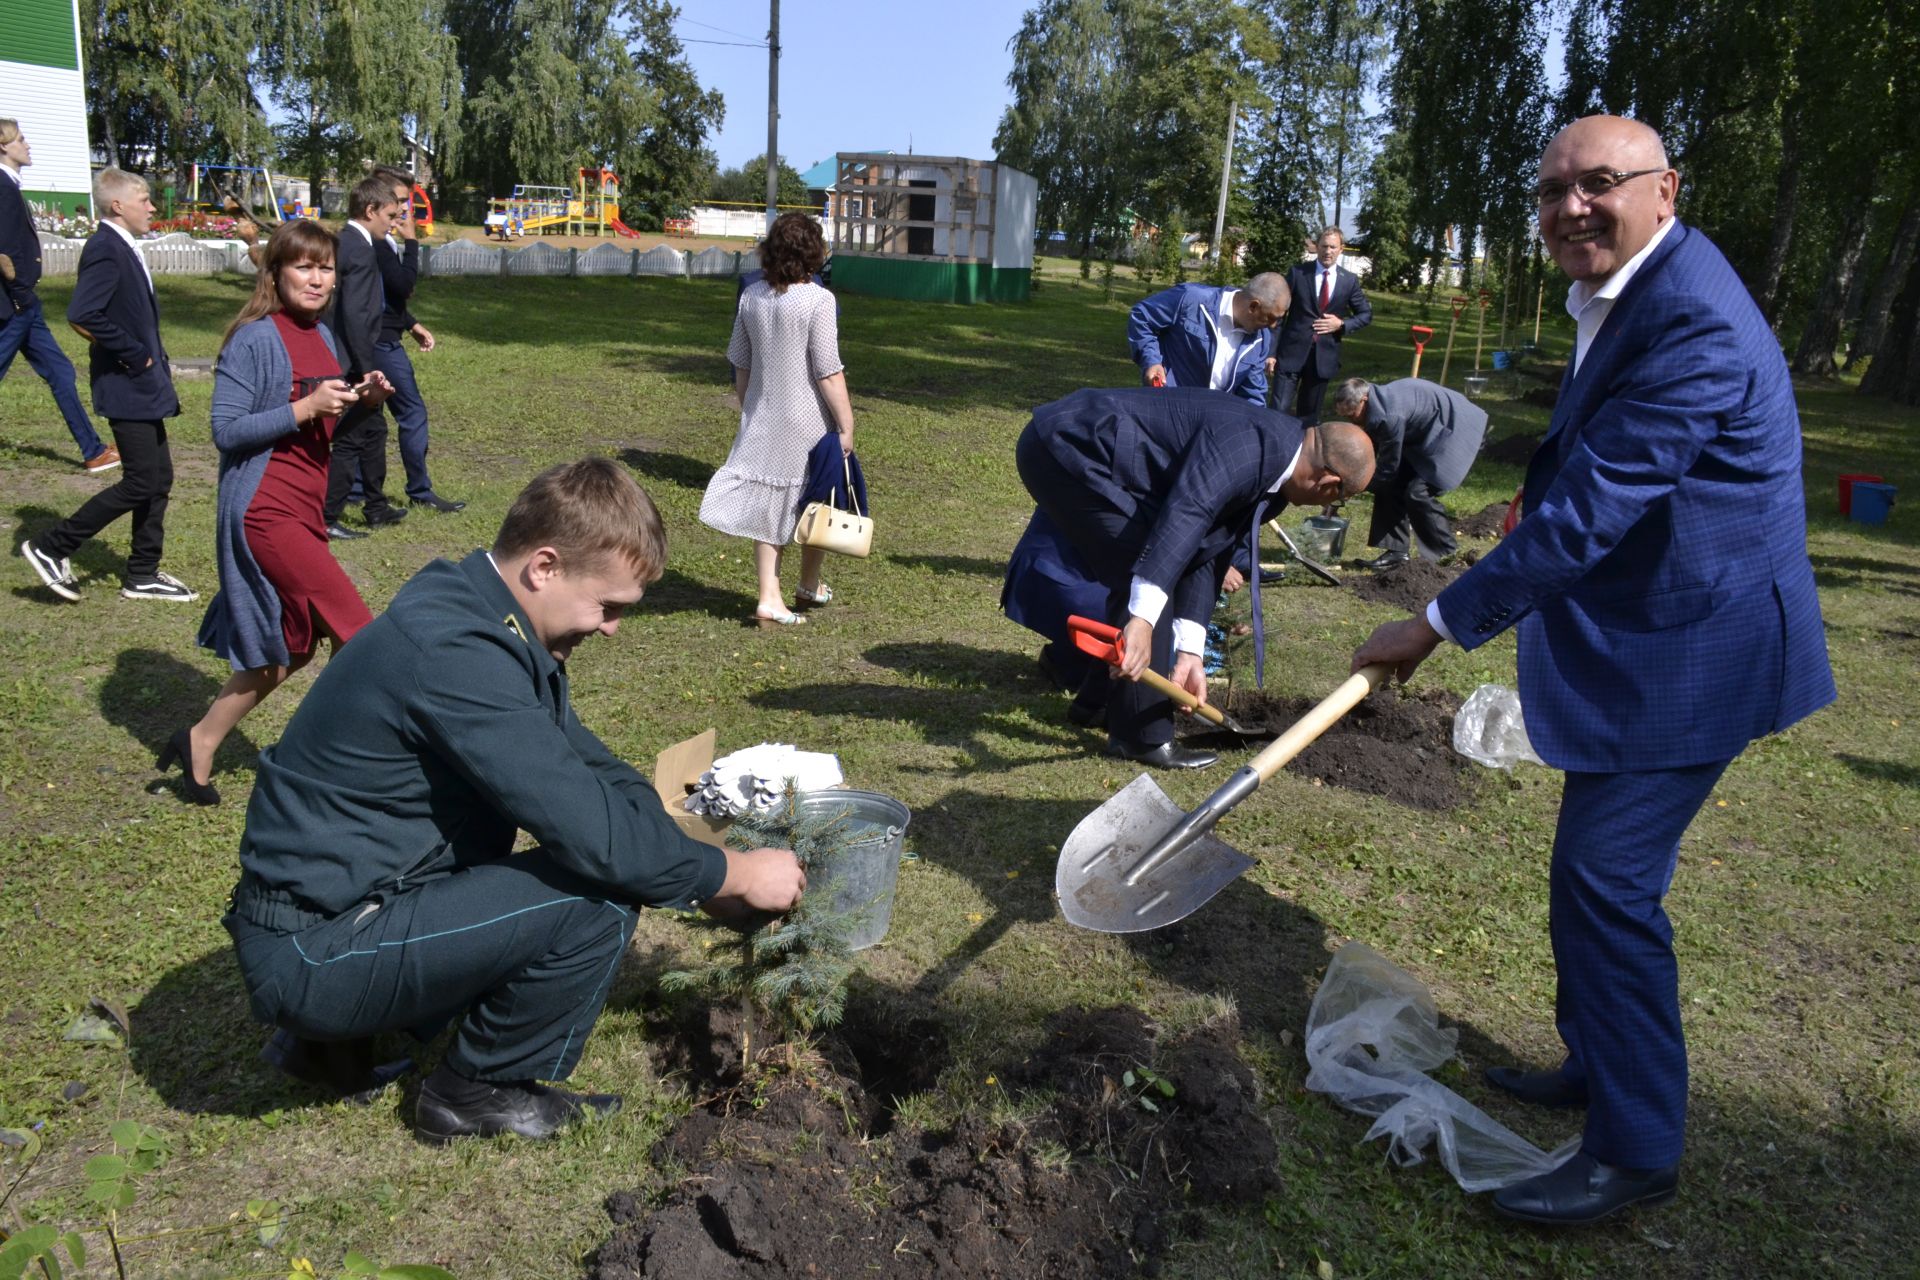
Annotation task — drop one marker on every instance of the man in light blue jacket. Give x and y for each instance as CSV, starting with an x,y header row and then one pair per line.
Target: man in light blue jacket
x,y
1201,335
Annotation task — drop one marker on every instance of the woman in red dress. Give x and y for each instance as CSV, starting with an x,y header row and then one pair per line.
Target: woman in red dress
x,y
277,393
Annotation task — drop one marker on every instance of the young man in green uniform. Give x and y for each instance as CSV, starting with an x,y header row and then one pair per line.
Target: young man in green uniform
x,y
379,887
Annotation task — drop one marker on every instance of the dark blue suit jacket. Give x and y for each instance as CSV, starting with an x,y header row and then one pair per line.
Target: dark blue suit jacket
x,y
1296,345
20,241
1191,465
1659,577
1176,328
114,306
359,298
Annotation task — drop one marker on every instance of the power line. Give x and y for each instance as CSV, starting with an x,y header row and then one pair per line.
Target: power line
x,y
734,44
725,31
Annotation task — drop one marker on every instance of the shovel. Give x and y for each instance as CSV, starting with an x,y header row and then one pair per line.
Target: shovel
x,y
1098,640
1138,863
1313,566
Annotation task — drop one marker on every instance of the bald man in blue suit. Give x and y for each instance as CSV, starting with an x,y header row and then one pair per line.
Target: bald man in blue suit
x,y
1666,613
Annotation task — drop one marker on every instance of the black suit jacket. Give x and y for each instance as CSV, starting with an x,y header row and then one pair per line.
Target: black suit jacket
x,y
114,306
1296,346
19,241
1192,464
399,273
359,296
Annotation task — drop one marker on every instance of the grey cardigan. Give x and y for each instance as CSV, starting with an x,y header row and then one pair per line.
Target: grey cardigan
x,y
252,408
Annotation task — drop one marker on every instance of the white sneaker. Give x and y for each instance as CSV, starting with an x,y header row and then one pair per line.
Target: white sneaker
x,y
161,586
57,574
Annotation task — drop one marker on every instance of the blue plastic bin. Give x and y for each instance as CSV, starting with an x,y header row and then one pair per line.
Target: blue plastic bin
x,y
1503,360
1872,502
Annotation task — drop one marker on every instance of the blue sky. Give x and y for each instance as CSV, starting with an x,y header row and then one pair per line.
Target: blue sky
x,y
857,75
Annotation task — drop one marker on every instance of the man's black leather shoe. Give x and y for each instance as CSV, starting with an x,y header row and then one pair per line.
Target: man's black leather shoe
x,y
1387,560
1584,1190
437,503
340,533
1164,756
384,516
529,1109
344,1067
1541,1088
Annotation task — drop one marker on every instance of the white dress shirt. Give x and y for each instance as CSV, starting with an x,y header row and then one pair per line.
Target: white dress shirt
x,y
135,246
1228,338
1589,305
1147,601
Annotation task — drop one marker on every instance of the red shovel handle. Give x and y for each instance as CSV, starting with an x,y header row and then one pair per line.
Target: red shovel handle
x,y
1096,639
1157,381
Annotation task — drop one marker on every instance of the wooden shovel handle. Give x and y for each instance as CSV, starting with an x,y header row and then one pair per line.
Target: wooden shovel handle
x,y
1102,640
1317,721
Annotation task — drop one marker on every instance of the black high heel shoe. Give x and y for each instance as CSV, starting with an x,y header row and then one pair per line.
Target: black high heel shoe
x,y
180,748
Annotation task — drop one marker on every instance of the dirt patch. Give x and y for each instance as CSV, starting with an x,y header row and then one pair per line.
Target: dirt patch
x,y
1513,451
1397,744
1408,586
1484,523
804,1178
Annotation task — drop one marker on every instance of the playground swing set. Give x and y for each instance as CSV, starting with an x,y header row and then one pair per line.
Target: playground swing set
x,y
247,199
536,210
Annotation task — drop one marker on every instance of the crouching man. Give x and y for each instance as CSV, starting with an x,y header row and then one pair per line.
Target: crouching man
x,y
380,890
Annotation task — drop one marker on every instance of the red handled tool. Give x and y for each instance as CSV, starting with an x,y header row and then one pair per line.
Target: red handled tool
x,y
1098,640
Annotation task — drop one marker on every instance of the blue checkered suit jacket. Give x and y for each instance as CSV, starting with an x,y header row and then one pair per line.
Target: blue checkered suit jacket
x,y
1659,577
1192,464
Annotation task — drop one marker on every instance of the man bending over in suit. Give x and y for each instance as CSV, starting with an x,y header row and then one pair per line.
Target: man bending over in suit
x,y
1156,489
359,300
114,306
1666,613
1328,304
1425,439
1201,335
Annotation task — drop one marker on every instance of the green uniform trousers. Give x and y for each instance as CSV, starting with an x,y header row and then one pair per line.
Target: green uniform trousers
x,y
520,952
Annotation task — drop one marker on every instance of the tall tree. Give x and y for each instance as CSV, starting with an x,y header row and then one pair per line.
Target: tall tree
x,y
672,164
170,79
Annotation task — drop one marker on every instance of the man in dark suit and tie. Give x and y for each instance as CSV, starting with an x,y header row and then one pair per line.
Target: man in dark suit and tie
x,y
1666,613
1156,488
114,307
1328,304
1425,438
359,299
23,325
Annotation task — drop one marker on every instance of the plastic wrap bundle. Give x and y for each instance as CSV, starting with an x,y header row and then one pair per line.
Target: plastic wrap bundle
x,y
1489,728
1372,1035
755,777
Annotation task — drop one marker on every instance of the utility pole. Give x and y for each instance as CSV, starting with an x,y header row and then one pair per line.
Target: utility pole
x,y
1226,179
773,113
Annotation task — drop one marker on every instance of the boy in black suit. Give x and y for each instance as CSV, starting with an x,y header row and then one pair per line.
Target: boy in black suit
x,y
359,298
114,307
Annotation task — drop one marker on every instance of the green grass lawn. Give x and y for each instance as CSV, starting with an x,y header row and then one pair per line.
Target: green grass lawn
x,y
1795,903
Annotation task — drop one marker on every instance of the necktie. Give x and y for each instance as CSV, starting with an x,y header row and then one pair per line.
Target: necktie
x,y
1326,290
1253,584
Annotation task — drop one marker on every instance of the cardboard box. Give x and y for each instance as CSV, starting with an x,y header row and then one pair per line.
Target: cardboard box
x,y
676,775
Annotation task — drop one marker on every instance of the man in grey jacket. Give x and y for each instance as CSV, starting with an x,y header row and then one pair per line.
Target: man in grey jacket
x,y
1425,438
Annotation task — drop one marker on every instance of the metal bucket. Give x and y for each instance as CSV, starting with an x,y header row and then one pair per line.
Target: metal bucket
x,y
869,868
1323,538
1476,385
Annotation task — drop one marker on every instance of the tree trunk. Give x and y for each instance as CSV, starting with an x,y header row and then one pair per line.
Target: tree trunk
x,y
1815,359
1896,373
1766,291
1900,256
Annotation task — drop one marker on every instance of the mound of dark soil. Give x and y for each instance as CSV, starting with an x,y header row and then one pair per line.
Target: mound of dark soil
x,y
1514,451
794,1182
1397,744
1484,523
1408,586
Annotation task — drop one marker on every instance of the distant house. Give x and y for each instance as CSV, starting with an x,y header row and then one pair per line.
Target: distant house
x,y
41,86
934,228
820,182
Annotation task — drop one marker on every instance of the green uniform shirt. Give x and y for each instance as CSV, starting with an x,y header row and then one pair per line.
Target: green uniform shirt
x,y
430,740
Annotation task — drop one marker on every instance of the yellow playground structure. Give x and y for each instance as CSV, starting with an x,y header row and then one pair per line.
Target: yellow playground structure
x,y
531,210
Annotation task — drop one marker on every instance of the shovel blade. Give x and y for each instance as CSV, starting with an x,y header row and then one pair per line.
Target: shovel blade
x,y
1090,879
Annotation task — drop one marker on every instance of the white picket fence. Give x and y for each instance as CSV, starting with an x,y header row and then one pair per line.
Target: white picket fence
x,y
181,255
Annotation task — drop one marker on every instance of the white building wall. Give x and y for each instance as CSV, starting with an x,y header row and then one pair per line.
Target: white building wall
x,y
1016,200
51,105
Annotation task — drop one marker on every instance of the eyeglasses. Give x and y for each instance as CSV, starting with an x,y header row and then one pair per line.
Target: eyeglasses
x,y
1591,186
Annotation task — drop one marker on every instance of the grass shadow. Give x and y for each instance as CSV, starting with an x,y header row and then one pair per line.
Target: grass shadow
x,y
982,566
1901,775
671,468
149,694
675,592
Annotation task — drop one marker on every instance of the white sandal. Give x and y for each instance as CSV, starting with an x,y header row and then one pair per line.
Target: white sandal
x,y
772,621
802,596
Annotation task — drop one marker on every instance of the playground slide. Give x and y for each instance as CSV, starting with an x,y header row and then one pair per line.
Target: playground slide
x,y
622,228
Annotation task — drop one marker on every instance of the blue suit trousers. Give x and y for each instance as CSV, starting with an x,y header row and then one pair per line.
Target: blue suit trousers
x,y
1618,1003
28,332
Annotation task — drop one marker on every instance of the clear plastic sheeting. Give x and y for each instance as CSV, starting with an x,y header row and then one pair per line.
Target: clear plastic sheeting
x,y
1372,1035
1489,728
